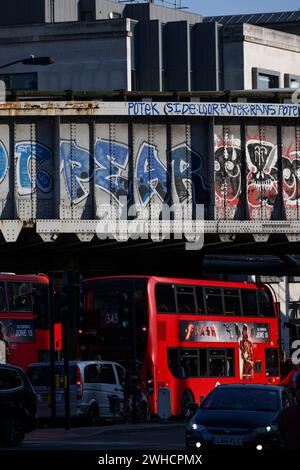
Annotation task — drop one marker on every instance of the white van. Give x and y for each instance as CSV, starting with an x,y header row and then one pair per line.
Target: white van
x,y
96,389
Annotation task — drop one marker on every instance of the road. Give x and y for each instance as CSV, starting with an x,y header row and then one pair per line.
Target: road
x,y
119,437
84,447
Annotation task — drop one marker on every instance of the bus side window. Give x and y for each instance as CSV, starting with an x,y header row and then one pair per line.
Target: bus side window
x,y
186,299
265,304
230,363
200,300
173,362
2,297
189,363
249,303
217,363
203,362
19,295
165,298
214,302
232,302
221,362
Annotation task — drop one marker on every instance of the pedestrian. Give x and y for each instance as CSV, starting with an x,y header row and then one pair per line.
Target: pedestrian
x,y
290,380
4,345
289,423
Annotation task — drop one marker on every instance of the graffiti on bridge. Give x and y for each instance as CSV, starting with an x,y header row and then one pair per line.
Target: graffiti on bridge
x,y
262,185
110,168
25,154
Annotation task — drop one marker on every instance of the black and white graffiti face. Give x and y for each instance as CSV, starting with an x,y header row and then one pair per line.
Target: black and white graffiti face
x,y
291,176
262,179
262,159
227,172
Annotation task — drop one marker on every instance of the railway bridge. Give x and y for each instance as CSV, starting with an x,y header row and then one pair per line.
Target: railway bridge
x,y
72,170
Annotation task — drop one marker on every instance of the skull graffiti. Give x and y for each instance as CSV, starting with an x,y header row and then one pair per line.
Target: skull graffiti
x,y
262,172
227,171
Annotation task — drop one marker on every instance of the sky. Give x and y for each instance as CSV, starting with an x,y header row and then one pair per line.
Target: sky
x,y
229,7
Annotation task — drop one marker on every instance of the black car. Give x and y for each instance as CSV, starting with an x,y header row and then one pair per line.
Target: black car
x,y
17,405
242,416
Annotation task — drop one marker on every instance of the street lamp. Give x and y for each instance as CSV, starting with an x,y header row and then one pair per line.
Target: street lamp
x,y
31,61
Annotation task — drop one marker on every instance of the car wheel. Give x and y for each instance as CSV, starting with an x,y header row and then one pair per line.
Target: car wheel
x,y
186,399
93,415
13,431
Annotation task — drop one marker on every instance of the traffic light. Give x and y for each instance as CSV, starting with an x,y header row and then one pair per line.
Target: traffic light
x,y
67,299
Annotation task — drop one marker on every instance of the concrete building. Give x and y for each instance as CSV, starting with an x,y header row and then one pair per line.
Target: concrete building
x,y
286,21
103,45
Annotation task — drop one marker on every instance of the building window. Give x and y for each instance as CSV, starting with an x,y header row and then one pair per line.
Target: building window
x,y
265,79
113,14
294,310
135,85
164,58
291,81
20,81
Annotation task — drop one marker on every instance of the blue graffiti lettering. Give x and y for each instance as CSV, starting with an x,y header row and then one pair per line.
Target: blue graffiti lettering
x,y
3,162
76,164
111,159
188,176
231,109
25,151
151,175
142,109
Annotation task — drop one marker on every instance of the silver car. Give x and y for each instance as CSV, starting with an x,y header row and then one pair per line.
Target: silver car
x,y
96,389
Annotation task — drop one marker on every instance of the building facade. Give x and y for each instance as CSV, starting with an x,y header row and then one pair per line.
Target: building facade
x,y
104,45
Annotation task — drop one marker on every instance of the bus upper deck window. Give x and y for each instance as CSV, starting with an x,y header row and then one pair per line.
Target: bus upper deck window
x,y
165,298
232,302
265,304
200,300
2,297
186,299
19,296
214,302
249,302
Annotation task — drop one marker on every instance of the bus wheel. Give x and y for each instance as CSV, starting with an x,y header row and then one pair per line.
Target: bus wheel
x,y
186,399
93,415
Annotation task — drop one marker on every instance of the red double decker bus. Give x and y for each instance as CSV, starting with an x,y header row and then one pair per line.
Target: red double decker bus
x,y
24,319
187,335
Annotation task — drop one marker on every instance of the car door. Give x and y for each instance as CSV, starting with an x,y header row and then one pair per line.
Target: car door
x,y
92,386
39,377
107,387
11,388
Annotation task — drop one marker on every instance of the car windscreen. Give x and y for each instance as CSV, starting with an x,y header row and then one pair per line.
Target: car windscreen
x,y
39,376
9,380
242,399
